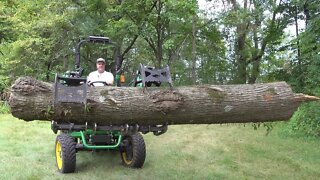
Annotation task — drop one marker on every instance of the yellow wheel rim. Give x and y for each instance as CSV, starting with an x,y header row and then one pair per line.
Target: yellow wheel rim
x,y
58,155
125,158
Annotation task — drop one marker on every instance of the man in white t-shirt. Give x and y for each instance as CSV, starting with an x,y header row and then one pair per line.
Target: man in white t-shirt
x,y
100,77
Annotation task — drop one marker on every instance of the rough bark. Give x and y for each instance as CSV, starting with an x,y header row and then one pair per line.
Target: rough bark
x,y
208,104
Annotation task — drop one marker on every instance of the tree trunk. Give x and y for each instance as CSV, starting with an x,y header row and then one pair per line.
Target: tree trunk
x,y
207,104
194,47
255,71
301,78
240,47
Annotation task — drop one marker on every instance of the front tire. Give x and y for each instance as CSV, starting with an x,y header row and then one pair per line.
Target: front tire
x,y
133,151
65,149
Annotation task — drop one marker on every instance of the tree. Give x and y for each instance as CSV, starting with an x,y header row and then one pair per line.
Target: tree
x,y
44,32
207,104
254,31
302,71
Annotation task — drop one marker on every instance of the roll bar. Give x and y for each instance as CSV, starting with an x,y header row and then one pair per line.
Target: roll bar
x,y
92,39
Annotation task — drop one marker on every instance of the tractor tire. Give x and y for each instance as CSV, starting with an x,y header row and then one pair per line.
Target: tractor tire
x,y
65,149
133,151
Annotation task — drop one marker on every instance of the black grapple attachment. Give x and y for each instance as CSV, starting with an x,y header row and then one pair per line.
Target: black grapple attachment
x,y
148,76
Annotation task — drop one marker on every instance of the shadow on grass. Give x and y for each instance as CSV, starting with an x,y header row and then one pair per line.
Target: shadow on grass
x,y
88,161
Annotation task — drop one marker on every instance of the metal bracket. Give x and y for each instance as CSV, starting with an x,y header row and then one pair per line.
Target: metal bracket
x,y
124,129
68,90
151,76
162,130
54,127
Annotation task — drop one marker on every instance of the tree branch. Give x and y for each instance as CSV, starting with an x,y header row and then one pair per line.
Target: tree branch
x,y
130,46
265,40
151,44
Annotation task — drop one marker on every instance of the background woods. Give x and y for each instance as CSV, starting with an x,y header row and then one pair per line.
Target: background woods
x,y
223,42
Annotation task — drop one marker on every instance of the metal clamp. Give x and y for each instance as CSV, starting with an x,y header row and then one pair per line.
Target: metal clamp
x,y
162,129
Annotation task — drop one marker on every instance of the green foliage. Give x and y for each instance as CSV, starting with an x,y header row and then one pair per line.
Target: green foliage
x,y
296,61
44,34
214,69
306,121
4,83
4,107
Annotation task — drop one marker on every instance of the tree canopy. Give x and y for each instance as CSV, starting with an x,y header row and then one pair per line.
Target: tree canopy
x,y
232,42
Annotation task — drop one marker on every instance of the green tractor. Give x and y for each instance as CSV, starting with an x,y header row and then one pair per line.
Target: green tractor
x,y
126,138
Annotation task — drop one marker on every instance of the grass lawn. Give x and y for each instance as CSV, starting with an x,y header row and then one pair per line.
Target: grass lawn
x,y
184,152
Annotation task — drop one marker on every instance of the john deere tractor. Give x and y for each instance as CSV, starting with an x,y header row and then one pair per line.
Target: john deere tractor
x,y
126,138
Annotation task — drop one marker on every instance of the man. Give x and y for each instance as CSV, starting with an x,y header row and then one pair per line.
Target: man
x,y
100,77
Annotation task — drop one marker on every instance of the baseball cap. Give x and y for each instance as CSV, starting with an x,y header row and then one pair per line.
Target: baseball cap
x,y
101,60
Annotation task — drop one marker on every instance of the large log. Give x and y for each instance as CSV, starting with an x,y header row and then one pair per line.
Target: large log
x,y
205,104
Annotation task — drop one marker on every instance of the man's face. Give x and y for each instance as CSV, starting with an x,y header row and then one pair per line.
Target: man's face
x,y
100,67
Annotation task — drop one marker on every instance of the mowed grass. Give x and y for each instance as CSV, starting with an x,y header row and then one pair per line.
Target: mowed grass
x,y
184,152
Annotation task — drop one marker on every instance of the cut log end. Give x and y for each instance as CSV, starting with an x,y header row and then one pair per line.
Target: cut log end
x,y
305,98
29,86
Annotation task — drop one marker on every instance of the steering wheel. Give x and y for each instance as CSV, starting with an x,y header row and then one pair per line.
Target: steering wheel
x,y
93,82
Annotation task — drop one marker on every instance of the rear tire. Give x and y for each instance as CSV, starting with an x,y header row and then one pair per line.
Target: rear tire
x,y
133,151
65,149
